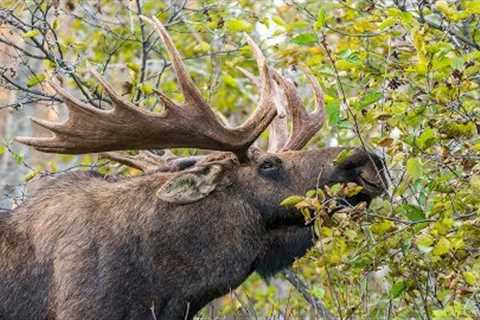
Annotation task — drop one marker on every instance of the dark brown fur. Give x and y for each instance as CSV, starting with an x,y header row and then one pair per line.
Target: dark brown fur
x,y
83,247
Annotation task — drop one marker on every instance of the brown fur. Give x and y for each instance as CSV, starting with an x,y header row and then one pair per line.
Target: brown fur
x,y
83,247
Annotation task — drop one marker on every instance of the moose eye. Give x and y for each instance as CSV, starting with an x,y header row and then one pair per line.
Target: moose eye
x,y
270,167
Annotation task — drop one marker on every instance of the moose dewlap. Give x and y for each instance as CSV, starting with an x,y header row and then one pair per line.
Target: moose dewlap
x,y
164,244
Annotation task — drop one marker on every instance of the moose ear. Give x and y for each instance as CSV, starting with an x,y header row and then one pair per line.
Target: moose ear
x,y
192,185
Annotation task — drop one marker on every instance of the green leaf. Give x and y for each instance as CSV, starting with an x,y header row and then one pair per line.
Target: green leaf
x,y
457,62
18,158
35,79
332,109
397,289
317,292
458,130
475,182
444,7
424,243
370,98
382,227
236,25
426,139
387,23
32,174
469,278
414,168
146,88
305,39
133,66
55,24
413,213
352,189
291,201
350,56
202,47
278,20
443,226
321,19
2,150
342,156
229,80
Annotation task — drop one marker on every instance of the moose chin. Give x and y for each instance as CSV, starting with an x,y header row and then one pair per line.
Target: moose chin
x,y
164,244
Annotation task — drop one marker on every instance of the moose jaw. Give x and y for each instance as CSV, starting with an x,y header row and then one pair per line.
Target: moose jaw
x,y
189,230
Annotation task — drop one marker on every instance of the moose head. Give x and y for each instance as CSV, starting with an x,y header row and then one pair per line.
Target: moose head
x,y
164,244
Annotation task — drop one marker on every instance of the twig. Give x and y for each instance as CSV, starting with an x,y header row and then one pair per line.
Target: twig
x,y
143,39
439,27
302,287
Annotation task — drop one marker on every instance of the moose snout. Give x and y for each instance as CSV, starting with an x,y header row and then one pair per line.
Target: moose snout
x,y
364,168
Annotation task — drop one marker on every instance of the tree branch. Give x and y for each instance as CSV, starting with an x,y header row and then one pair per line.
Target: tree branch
x,y
421,19
302,287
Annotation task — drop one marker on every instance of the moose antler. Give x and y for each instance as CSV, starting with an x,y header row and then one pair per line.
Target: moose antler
x,y
145,161
304,124
126,126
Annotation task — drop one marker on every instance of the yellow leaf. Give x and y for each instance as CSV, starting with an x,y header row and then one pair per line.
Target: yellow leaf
x,y
352,189
291,201
443,226
387,23
444,8
236,25
146,88
442,247
202,47
414,168
382,227
279,21
133,66
469,278
424,243
472,7
475,183
31,33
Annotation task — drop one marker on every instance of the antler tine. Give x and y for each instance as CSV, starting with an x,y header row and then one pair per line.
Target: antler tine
x,y
278,134
304,123
250,76
189,89
63,132
141,161
278,130
147,161
266,110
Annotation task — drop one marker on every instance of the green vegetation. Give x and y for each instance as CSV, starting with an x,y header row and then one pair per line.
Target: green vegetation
x,y
402,78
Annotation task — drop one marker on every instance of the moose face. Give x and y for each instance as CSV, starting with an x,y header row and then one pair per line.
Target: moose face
x,y
274,176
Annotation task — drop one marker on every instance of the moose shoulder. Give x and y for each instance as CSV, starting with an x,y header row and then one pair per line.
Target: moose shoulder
x,y
164,244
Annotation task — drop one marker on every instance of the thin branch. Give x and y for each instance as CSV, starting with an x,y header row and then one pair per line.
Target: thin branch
x,y
421,19
27,90
144,56
302,287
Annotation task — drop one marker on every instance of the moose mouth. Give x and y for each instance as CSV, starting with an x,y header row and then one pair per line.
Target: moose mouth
x,y
357,199
367,194
296,219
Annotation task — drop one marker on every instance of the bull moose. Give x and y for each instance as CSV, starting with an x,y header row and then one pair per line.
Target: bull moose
x,y
163,244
